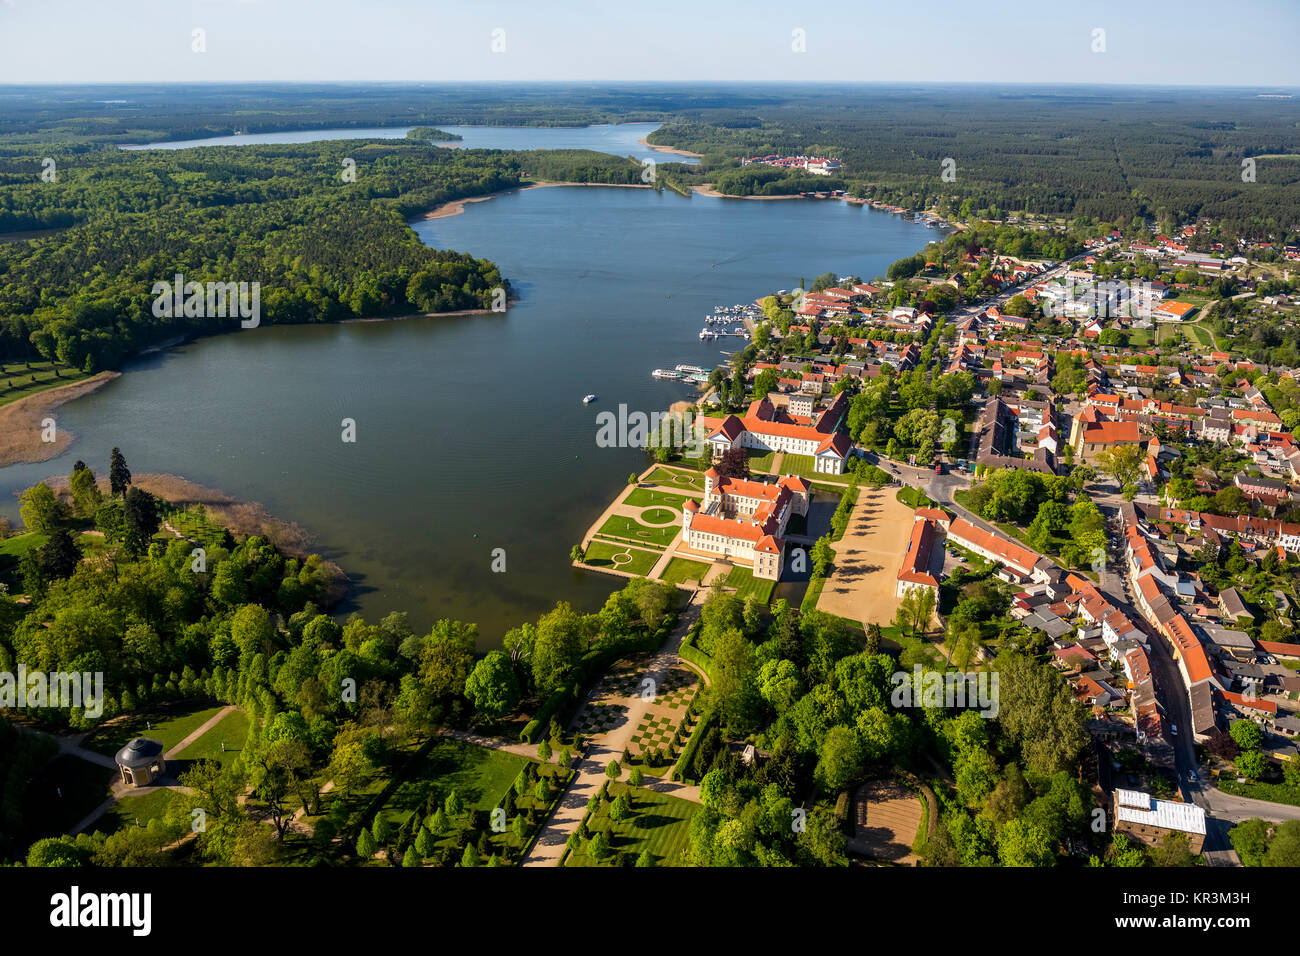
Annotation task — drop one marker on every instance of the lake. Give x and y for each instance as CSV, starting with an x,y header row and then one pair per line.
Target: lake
x,y
471,432
620,140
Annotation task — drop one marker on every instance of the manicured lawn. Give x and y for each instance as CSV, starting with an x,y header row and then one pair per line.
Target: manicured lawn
x,y
16,379
747,586
144,807
231,730
481,777
804,466
658,516
762,462
681,570
168,727
645,497
680,479
600,554
798,465
914,497
659,823
621,527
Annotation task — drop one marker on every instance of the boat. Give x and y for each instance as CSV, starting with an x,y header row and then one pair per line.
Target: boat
x,y
691,369
587,400
707,335
666,373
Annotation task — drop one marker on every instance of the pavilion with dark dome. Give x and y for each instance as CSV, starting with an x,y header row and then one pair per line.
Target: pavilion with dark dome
x,y
141,762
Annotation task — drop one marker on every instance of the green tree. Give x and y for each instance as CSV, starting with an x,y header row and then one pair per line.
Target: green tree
x,y
40,510
1252,764
1250,839
1247,734
85,492
557,647
492,685
119,476
1123,463
620,809
840,759
1023,844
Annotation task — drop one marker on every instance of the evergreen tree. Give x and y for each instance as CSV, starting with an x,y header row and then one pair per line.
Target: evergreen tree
x,y
119,476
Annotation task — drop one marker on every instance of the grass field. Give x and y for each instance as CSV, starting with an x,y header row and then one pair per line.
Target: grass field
x,y
914,497
16,379
659,823
600,554
804,466
645,497
231,730
679,479
142,807
479,776
168,727
659,516
761,462
11,552
620,527
681,570
747,586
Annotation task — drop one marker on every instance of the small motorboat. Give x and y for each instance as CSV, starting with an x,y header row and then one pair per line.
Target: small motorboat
x,y
587,400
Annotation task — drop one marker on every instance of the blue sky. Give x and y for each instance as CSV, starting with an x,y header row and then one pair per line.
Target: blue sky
x,y
1239,43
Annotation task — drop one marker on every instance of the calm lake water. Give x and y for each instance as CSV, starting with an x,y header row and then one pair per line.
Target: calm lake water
x,y
620,140
471,432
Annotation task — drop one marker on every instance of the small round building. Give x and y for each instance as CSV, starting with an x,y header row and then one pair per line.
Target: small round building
x,y
141,762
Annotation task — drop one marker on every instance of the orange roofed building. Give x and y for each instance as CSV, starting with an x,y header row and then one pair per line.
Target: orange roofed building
x,y
744,521
924,558
766,427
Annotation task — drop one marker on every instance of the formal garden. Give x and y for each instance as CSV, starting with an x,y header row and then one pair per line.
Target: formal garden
x,y
603,554
627,825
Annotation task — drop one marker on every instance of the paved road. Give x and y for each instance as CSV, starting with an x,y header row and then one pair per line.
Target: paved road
x,y
1225,809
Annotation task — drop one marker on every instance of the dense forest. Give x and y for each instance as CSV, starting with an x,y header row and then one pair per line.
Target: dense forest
x,y
321,226
1107,154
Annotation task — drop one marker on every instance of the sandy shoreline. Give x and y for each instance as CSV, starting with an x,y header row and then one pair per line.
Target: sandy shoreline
x,y
20,421
669,149
708,190
457,206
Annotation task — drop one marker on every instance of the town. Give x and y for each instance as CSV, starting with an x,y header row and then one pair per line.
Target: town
x,y
1097,440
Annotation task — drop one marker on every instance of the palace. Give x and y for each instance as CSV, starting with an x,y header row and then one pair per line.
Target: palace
x,y
744,521
767,427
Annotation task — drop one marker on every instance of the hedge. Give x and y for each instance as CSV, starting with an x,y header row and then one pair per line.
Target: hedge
x,y
692,654
684,762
